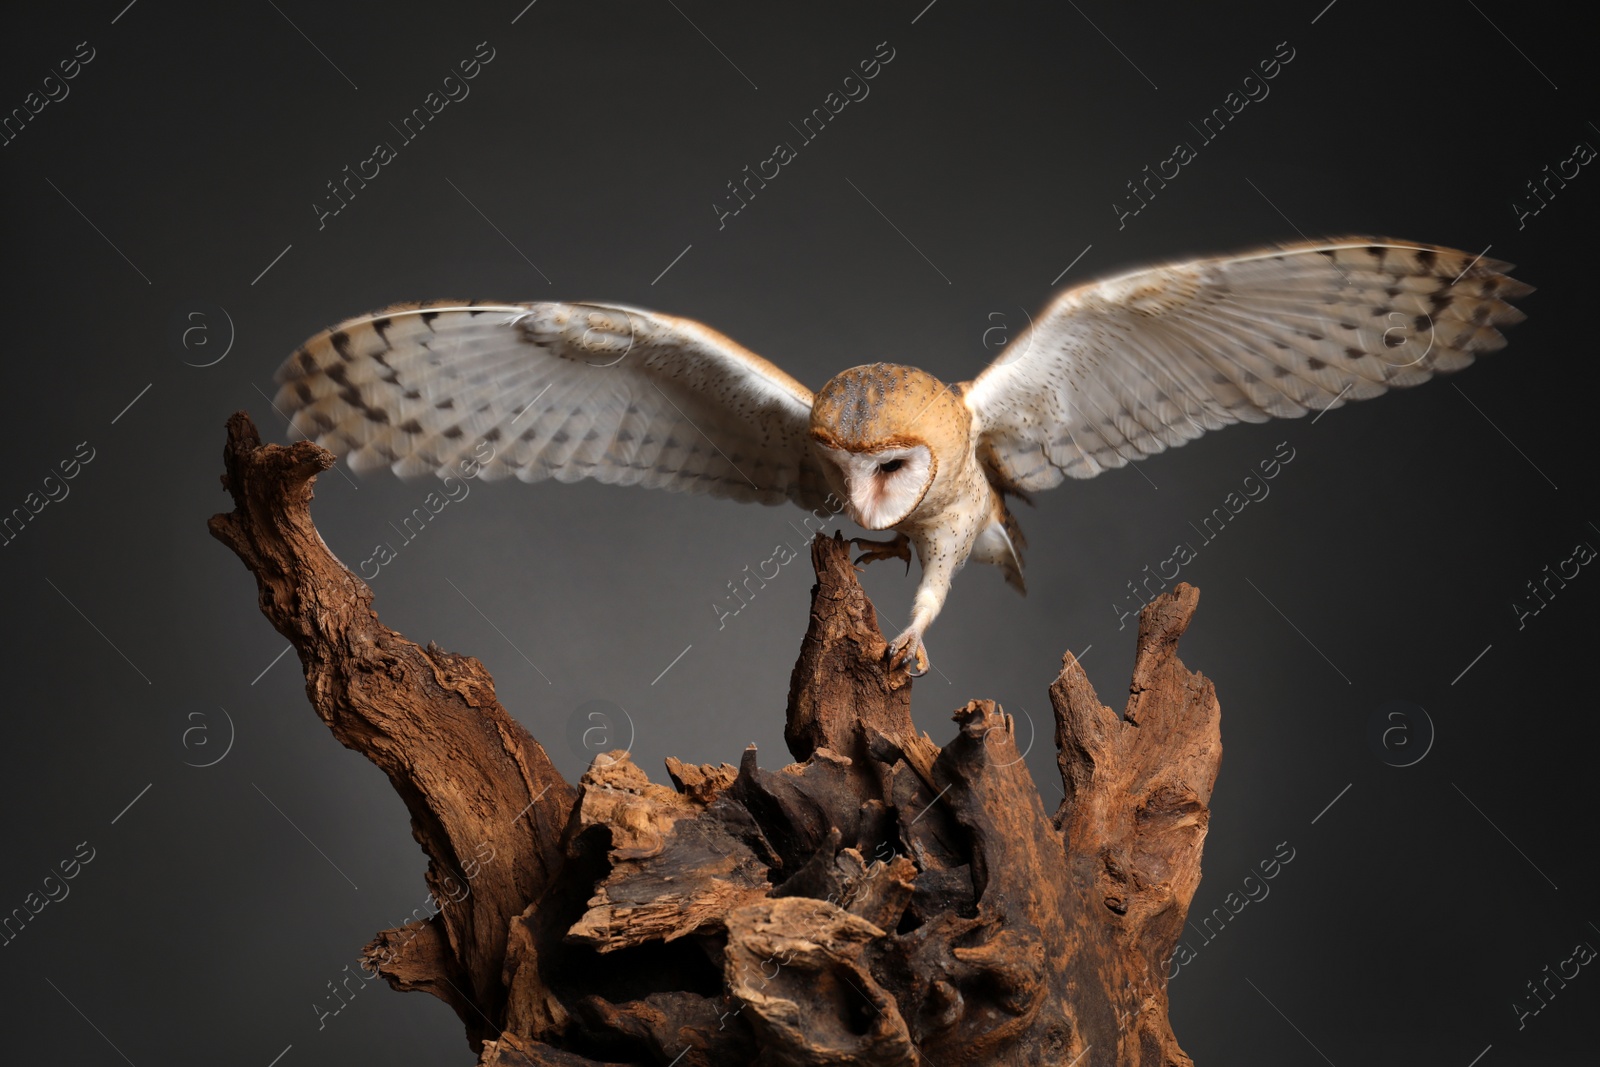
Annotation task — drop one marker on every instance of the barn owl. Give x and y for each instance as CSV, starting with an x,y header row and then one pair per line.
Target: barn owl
x,y
1110,372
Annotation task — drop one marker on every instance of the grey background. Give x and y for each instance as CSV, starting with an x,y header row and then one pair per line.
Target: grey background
x,y
187,157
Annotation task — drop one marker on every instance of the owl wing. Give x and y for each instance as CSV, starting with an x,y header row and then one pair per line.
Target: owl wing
x,y
1119,369
555,390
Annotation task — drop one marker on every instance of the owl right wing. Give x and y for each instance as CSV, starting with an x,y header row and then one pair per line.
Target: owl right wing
x,y
555,390
1117,370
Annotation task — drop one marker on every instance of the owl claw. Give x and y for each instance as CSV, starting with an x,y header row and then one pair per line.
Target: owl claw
x,y
907,652
899,547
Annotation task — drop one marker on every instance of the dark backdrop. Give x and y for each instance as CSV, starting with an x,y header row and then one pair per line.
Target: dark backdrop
x,y
173,186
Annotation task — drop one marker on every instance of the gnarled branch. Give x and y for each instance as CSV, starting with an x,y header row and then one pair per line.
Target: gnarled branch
x,y
884,900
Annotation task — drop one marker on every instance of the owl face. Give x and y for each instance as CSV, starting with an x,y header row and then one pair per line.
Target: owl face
x,y
882,488
881,431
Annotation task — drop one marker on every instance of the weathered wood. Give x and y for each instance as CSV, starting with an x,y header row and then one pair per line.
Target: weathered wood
x,y
672,872
428,719
796,965
841,681
1138,790
883,900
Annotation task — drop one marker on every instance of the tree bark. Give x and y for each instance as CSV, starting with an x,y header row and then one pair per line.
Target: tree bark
x,y
883,900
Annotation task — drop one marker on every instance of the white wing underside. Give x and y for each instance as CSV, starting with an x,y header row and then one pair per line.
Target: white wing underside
x,y
1120,369
555,390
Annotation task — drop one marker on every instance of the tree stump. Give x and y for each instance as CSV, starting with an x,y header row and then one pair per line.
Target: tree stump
x,y
882,901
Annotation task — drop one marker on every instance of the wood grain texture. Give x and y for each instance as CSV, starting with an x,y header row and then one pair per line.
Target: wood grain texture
x,y
885,900
426,717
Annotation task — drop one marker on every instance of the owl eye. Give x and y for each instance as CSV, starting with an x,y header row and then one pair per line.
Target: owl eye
x,y
891,466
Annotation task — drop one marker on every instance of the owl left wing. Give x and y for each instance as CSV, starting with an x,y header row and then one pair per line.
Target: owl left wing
x,y
555,390
1117,370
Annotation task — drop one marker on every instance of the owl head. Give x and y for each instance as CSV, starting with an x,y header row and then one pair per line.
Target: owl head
x,y
889,437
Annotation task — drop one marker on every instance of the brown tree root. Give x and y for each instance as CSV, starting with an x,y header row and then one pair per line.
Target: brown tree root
x,y
882,901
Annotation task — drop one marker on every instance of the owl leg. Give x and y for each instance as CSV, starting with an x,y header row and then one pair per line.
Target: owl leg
x,y
907,649
897,547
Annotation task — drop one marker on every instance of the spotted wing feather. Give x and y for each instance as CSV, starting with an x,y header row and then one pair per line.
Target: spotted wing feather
x,y
1120,369
555,390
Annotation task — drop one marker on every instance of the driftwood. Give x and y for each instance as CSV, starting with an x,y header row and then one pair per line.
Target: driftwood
x,y
883,901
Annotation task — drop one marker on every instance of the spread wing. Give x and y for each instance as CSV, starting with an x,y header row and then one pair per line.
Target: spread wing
x,y
1120,369
555,390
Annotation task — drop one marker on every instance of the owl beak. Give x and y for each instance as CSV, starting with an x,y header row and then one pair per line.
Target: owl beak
x,y
866,500
859,493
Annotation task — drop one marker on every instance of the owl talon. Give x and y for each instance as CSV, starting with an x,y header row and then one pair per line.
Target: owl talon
x,y
908,653
898,547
